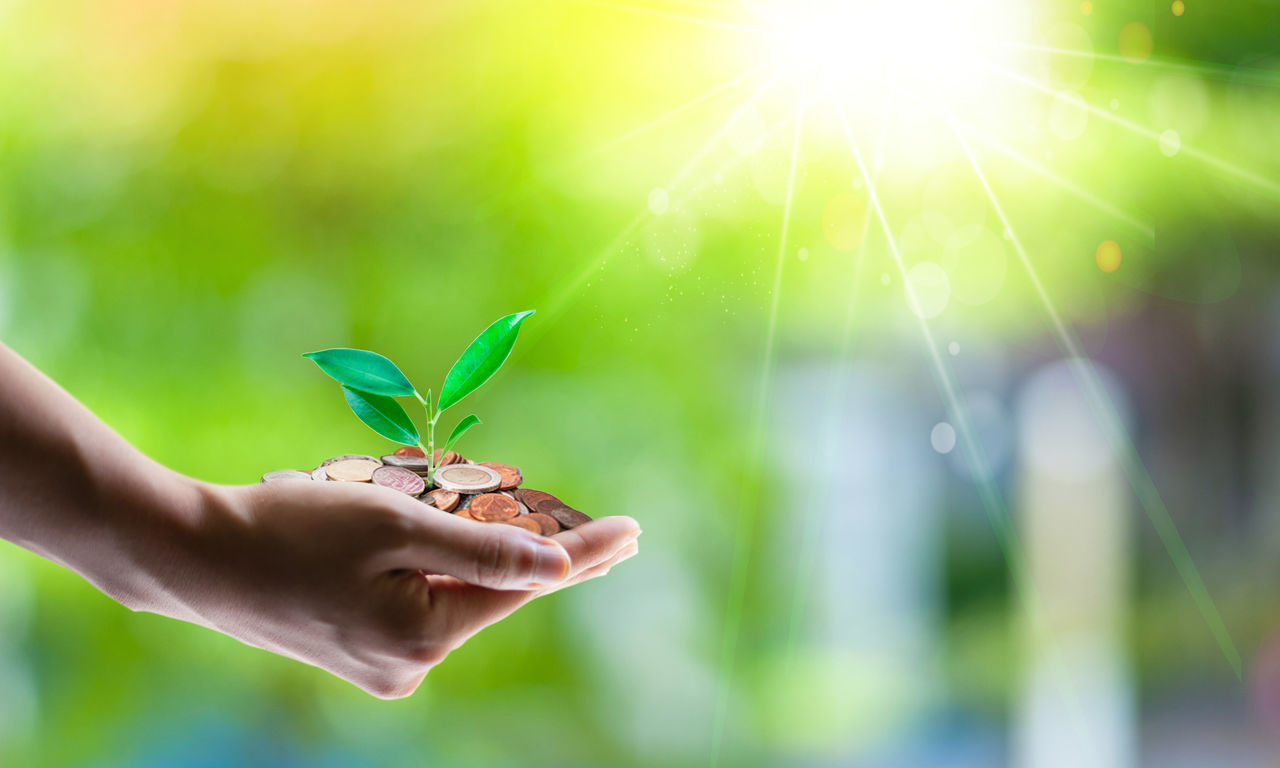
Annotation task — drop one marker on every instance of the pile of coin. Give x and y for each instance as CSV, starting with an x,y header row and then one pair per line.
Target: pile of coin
x,y
488,492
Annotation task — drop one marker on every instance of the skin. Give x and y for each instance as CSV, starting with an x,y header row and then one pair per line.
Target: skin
x,y
362,581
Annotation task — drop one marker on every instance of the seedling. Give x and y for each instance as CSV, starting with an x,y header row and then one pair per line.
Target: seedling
x,y
371,384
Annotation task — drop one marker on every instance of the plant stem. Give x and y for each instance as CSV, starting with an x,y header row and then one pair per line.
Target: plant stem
x,y
430,447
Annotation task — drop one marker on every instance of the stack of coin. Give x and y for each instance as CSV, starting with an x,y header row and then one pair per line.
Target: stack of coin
x,y
489,492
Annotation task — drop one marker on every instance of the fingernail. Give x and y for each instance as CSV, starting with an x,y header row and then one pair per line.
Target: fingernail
x,y
550,562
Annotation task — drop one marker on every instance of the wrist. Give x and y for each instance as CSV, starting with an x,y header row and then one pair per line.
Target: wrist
x,y
145,539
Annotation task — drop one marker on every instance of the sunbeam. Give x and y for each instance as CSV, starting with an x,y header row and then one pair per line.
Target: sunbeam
x,y
749,505
1136,471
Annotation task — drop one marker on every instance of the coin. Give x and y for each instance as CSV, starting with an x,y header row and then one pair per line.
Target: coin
x,y
320,474
545,505
510,475
494,508
285,474
566,516
465,478
348,457
399,479
523,509
546,522
530,497
452,457
465,514
410,450
525,523
417,464
445,501
352,470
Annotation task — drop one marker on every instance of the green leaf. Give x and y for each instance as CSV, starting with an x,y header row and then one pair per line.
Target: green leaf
x,y
362,370
481,360
463,426
383,415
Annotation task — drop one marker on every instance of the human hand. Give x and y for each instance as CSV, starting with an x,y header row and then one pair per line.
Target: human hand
x,y
363,581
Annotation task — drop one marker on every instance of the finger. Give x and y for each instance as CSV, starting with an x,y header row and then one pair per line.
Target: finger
x,y
594,541
595,571
488,555
464,609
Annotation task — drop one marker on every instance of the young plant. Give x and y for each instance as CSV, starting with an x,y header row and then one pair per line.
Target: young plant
x,y
371,384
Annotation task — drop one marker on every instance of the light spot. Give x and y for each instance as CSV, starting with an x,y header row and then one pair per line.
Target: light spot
x,y
928,289
1068,115
1086,8
1115,104
1135,42
659,201
1170,143
803,254
954,348
943,437
884,278
1108,256
1179,7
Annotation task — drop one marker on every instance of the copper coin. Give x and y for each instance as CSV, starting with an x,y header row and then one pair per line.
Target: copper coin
x,y
525,523
493,508
410,450
523,509
464,478
320,474
531,497
545,505
417,464
285,474
510,475
452,457
352,470
546,522
465,514
399,479
445,501
348,457
566,516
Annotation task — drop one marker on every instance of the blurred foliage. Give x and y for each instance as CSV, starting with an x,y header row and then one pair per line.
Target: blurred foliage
x,y
194,193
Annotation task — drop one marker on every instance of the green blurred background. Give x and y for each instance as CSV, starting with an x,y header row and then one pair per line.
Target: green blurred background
x,y
194,193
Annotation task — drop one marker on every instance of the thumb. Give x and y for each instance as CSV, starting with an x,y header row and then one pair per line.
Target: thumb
x,y
485,554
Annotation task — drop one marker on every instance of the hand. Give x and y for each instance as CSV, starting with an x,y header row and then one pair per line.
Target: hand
x,y
363,581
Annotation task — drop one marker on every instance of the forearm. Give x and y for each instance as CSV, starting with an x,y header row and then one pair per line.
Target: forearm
x,y
75,492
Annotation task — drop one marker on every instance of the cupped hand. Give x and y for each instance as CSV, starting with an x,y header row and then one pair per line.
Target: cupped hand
x,y
362,581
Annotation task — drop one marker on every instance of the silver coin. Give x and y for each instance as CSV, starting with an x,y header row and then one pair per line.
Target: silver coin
x,y
319,474
467,478
285,474
336,459
412,463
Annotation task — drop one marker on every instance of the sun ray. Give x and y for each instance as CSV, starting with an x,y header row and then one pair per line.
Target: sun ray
x,y
836,402
748,504
1139,478
1252,75
992,500
675,112
1204,157
1065,184
556,304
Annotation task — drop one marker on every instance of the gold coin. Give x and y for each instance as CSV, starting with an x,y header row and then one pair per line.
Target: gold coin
x,y
352,470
